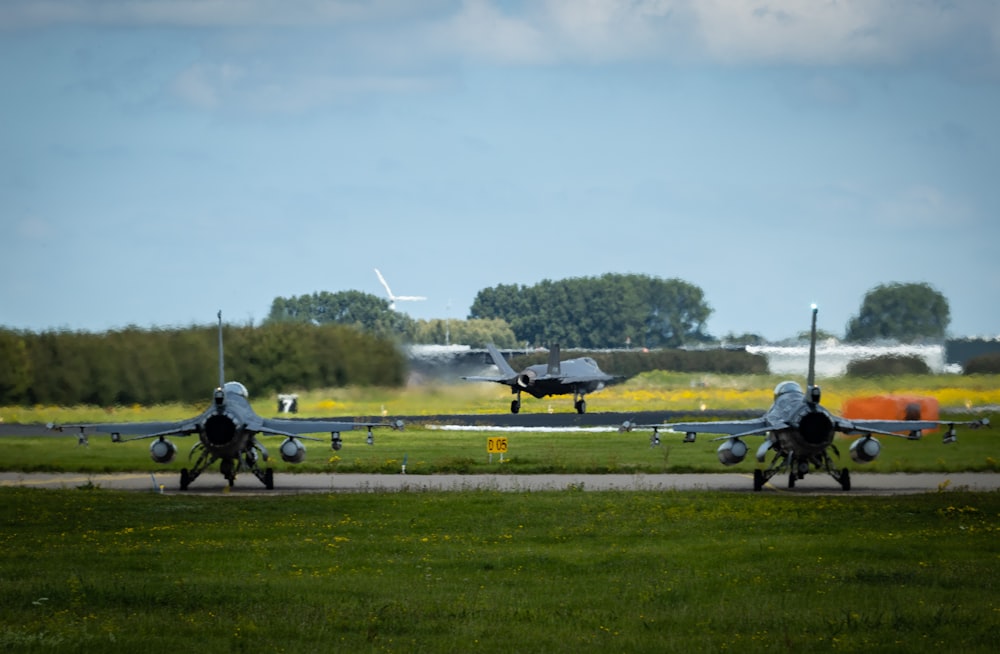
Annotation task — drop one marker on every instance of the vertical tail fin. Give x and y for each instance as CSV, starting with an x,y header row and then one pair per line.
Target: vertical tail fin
x,y
500,362
811,379
222,369
555,368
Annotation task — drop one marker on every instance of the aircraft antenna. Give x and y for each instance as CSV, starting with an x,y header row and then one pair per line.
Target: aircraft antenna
x,y
811,381
222,369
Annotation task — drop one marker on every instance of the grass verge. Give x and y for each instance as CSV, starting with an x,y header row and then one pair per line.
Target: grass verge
x,y
96,570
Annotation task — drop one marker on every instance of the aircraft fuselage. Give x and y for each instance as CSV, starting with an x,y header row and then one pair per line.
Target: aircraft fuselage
x,y
809,430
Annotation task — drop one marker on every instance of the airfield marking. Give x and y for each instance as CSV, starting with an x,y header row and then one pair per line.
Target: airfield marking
x,y
864,484
14,479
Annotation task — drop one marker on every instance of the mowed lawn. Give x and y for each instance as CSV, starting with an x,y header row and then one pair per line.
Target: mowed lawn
x,y
102,571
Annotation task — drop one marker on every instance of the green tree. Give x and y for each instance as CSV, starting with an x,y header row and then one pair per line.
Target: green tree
x,y
150,367
353,308
902,312
15,368
476,332
676,313
889,365
746,338
599,312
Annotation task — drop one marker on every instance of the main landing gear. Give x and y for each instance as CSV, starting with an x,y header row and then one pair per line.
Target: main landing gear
x,y
229,467
578,402
798,468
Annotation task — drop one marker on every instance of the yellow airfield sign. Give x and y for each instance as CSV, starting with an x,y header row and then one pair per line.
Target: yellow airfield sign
x,y
496,445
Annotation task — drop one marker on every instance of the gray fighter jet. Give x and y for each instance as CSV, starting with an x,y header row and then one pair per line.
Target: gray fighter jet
x,y
801,432
577,376
228,432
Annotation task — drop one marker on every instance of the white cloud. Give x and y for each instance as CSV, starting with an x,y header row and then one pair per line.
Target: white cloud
x,y
733,32
923,206
481,30
867,32
35,229
205,86
215,86
203,13
296,55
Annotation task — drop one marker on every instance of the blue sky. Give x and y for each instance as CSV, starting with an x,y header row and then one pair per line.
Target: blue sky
x,y
163,159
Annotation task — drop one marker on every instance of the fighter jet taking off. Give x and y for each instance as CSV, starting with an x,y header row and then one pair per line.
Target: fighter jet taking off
x,y
576,376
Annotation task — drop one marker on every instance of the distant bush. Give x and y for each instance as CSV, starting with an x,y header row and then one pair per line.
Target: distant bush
x,y
136,366
632,362
984,364
888,366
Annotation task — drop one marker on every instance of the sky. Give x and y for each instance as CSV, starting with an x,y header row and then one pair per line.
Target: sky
x,y
161,160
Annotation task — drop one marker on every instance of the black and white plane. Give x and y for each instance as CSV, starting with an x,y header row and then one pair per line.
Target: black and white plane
x,y
577,376
801,432
228,432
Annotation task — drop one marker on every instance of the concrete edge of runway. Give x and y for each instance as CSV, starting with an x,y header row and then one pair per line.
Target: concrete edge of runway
x,y
247,485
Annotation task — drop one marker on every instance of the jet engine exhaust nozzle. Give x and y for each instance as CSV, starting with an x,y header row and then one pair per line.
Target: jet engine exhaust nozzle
x,y
220,430
816,428
526,378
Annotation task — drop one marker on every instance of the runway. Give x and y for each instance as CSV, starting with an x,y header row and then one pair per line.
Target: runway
x,y
247,485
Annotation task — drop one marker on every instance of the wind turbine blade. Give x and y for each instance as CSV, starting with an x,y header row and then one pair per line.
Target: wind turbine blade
x,y
385,284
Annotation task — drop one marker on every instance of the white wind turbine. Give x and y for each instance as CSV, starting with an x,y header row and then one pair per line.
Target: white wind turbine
x,y
393,298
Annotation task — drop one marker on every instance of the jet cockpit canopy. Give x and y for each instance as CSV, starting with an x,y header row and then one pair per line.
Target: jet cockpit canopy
x,y
787,387
237,388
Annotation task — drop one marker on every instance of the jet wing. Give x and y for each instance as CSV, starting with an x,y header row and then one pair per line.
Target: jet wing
x,y
579,379
732,428
899,427
138,430
285,427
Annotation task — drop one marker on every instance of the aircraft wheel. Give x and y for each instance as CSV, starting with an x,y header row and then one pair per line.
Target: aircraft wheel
x,y
758,480
515,406
791,479
845,479
269,479
581,406
185,479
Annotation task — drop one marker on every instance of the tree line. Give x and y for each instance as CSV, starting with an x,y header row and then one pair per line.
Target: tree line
x,y
136,366
351,338
375,315
610,311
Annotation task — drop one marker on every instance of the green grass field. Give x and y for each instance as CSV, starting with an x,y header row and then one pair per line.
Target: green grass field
x,y
93,570
431,451
103,571
652,391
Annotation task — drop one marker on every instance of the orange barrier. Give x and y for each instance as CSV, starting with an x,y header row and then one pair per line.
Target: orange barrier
x,y
891,407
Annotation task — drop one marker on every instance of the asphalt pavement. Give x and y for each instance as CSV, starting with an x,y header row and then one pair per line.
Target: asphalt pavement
x,y
212,483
